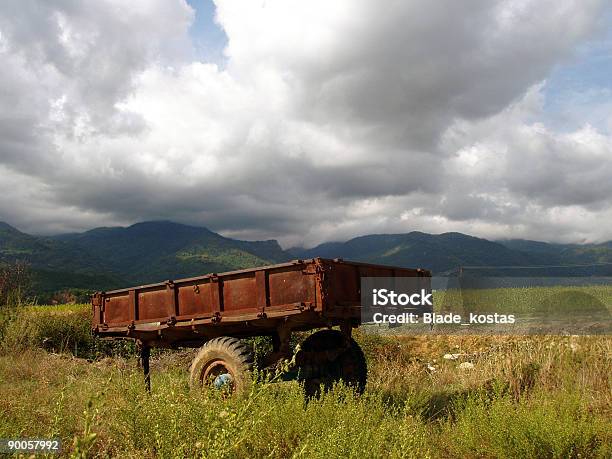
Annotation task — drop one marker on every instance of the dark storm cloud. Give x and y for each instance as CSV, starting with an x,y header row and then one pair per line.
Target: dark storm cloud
x,y
330,120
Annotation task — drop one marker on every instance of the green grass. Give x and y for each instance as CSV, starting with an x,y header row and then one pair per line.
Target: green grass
x,y
57,329
529,299
525,397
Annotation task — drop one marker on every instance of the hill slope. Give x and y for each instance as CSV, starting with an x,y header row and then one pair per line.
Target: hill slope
x,y
55,263
446,252
153,251
145,252
565,253
42,252
439,253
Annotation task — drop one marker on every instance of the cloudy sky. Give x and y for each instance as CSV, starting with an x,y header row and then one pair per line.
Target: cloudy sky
x,y
309,121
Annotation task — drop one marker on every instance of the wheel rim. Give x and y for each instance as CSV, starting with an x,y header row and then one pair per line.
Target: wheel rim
x,y
218,375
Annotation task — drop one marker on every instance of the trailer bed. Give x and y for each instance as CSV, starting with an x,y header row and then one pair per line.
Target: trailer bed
x,y
299,295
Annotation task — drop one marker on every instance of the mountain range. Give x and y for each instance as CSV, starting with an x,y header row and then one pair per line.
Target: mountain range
x,y
104,258
443,253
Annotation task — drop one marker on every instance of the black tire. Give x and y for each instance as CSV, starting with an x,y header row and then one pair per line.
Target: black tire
x,y
348,366
222,356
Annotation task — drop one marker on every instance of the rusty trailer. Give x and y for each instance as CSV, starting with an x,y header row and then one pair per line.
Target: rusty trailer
x,y
215,311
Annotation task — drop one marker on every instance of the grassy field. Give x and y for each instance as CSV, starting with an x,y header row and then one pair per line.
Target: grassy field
x,y
523,300
520,397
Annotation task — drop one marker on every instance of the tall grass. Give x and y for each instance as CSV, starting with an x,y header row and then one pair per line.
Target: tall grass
x,y
523,397
45,395
521,300
64,328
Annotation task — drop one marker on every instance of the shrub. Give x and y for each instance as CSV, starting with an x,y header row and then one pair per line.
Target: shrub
x,y
15,281
59,329
549,425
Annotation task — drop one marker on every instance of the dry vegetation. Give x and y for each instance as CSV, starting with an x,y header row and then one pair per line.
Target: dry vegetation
x,y
523,397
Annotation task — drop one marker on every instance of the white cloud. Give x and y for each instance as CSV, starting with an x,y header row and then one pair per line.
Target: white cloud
x,y
330,119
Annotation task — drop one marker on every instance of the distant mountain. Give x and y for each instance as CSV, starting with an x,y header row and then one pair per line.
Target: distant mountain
x,y
551,250
565,253
438,253
141,253
54,260
446,252
162,250
153,251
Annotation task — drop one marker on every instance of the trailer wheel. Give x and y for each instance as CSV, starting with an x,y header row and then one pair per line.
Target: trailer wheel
x,y
326,362
223,363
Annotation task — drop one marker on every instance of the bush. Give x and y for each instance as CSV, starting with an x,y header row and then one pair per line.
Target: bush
x,y
59,329
7,315
15,282
69,296
545,426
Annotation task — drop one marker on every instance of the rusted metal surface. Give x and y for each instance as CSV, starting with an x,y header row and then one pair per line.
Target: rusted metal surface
x,y
300,295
